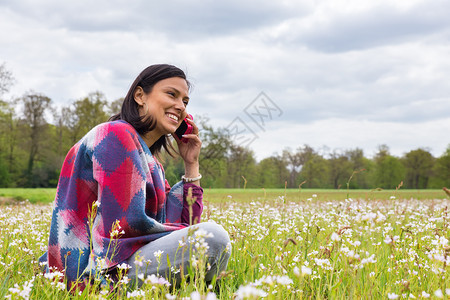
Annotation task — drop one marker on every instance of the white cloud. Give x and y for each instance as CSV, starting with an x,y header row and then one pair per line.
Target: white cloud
x,y
341,135
345,73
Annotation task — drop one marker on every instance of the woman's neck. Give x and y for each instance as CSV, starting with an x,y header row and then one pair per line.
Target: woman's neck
x,y
151,137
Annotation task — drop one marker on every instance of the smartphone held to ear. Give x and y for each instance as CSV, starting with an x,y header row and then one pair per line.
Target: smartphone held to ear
x,y
184,128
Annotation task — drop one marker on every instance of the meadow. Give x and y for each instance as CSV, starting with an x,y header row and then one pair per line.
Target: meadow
x,y
287,244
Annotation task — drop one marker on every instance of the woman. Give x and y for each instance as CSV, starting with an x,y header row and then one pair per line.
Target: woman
x,y
113,204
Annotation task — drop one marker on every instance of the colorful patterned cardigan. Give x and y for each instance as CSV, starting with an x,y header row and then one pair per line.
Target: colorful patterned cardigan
x,y
111,174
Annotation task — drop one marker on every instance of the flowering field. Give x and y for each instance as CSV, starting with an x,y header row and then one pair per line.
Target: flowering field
x,y
311,249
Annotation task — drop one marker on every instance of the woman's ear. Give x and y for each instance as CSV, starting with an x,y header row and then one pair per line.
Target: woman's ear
x,y
139,96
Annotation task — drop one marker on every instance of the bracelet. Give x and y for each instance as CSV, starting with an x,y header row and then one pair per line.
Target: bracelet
x,y
185,179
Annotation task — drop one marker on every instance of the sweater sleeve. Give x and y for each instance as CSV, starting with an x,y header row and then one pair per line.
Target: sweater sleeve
x,y
197,206
178,206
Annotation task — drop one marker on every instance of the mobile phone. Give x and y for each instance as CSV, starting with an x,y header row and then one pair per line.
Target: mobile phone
x,y
184,128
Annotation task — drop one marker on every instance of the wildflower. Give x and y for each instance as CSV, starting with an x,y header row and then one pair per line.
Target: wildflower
x,y
211,296
380,218
195,296
60,286
438,293
136,293
171,297
249,291
23,292
124,280
124,266
54,274
320,262
390,240
158,254
306,270
155,280
200,233
194,261
370,259
392,296
139,261
335,237
284,280
425,294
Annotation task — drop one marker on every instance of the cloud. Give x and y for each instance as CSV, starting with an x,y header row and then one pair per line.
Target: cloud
x,y
339,29
180,20
340,135
329,62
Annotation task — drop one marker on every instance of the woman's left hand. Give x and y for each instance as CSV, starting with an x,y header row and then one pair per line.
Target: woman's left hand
x,y
190,151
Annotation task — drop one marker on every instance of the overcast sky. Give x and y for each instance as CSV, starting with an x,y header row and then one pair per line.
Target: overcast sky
x,y
335,73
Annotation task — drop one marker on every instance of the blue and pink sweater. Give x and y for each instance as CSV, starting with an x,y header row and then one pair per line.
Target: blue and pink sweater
x,y
112,175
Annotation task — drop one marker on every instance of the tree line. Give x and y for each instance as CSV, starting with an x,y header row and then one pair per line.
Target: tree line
x,y
35,136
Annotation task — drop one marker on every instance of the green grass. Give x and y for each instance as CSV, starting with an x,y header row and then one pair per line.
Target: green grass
x,y
366,247
247,195
47,195
41,195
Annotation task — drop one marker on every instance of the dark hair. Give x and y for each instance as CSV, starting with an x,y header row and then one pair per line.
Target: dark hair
x,y
130,109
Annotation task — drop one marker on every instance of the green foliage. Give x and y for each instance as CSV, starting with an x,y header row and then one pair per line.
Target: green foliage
x,y
441,171
340,169
272,172
86,113
32,151
315,172
389,171
419,165
5,177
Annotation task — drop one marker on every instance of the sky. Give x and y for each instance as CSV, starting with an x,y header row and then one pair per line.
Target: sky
x,y
332,74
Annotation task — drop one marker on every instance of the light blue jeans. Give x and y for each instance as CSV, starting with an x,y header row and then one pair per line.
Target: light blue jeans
x,y
180,247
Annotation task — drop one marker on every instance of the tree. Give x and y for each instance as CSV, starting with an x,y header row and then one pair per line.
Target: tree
x,y
389,171
272,172
34,107
85,114
295,161
6,79
419,164
362,165
241,165
340,169
8,134
173,166
216,145
115,107
441,171
315,172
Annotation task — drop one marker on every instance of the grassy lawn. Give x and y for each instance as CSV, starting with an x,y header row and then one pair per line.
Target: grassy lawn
x,y
47,195
33,195
308,244
223,195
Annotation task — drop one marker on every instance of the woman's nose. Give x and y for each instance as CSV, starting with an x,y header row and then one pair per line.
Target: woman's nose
x,y
180,105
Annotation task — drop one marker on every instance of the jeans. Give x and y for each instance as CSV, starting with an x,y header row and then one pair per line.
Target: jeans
x,y
217,253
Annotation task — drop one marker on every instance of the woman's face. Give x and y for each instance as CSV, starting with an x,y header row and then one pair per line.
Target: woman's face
x,y
166,103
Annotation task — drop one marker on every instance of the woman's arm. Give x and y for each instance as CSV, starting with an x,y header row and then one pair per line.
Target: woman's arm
x,y
193,197
190,153
193,193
